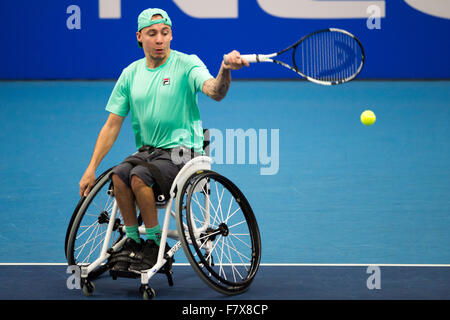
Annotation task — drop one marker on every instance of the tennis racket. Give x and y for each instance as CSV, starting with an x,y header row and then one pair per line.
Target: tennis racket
x,y
330,56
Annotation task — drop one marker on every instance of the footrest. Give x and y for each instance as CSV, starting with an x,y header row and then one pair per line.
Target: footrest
x,y
165,269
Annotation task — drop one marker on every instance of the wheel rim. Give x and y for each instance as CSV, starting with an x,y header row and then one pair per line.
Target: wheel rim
x,y
227,250
89,230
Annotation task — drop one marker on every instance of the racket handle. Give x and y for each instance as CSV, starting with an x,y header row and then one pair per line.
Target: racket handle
x,y
252,58
249,57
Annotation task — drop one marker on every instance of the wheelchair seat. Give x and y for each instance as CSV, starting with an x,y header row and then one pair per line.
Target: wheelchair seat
x,y
160,199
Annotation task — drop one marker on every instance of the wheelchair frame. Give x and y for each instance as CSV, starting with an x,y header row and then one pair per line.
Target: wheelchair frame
x,y
196,167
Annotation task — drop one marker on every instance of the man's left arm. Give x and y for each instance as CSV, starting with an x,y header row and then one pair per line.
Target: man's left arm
x,y
217,88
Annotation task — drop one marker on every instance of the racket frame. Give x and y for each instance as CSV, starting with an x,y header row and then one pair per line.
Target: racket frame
x,y
257,58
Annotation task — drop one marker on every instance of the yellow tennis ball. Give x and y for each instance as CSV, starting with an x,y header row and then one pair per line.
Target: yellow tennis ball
x,y
368,118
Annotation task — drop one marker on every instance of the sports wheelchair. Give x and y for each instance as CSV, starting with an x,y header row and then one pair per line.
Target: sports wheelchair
x,y
215,226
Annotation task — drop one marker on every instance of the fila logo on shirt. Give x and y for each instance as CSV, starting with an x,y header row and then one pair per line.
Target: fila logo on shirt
x,y
166,81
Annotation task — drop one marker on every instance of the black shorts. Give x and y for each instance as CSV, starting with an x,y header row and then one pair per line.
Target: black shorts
x,y
161,158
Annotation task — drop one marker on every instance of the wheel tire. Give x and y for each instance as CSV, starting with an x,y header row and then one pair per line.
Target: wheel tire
x,y
221,234
82,213
147,292
88,288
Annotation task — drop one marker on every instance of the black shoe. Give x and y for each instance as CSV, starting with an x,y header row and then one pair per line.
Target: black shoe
x,y
148,257
121,260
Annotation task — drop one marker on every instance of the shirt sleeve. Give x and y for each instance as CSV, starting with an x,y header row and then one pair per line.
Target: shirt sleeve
x,y
118,102
198,73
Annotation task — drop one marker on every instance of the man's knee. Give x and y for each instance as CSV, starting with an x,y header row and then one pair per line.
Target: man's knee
x,y
118,182
137,183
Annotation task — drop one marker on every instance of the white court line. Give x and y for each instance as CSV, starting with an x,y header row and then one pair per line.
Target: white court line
x,y
262,264
351,265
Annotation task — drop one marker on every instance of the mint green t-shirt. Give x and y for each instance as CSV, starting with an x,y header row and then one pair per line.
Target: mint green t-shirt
x,y
163,101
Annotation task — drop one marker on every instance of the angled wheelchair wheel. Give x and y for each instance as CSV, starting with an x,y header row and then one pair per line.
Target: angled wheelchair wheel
x,y
219,232
87,228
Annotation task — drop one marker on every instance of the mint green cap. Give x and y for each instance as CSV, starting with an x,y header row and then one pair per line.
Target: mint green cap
x,y
145,18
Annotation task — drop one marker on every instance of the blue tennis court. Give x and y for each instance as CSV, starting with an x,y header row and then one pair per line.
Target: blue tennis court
x,y
345,211
344,194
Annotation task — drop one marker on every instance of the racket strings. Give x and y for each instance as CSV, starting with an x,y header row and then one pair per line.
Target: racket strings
x,y
329,56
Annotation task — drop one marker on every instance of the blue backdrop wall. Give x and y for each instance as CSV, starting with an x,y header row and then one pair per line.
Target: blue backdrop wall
x,y
95,39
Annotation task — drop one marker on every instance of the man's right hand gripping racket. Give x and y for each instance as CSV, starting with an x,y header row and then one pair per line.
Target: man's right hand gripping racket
x,y
329,56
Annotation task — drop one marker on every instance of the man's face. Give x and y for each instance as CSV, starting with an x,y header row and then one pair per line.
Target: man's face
x,y
156,39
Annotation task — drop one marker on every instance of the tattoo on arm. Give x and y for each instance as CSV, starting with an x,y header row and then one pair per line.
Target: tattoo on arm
x,y
217,88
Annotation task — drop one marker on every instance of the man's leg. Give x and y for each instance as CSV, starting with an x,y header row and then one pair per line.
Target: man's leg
x,y
145,199
125,200
141,183
120,261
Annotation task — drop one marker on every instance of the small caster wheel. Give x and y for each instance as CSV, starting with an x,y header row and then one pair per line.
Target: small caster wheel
x,y
147,292
87,287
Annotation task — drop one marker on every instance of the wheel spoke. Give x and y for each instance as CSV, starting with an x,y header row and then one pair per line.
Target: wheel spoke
x,y
226,253
89,236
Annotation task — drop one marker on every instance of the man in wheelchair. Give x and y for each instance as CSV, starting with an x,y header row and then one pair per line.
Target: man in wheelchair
x,y
160,91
